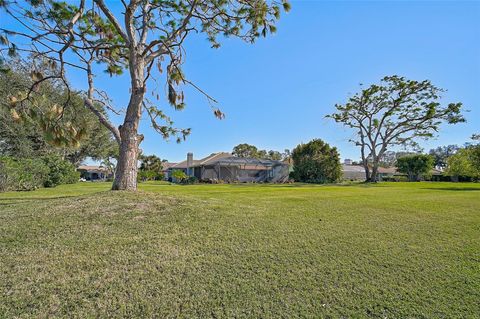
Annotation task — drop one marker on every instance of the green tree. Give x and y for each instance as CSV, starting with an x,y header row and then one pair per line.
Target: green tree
x,y
415,166
245,150
31,136
151,167
145,37
476,152
22,174
60,171
396,112
316,162
274,155
462,163
442,153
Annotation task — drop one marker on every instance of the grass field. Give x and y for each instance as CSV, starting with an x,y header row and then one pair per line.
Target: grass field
x,y
392,250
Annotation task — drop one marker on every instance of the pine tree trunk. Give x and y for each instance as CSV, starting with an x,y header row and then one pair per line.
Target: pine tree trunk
x,y
126,171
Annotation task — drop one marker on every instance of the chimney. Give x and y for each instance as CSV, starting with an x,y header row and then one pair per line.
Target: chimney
x,y
189,159
189,163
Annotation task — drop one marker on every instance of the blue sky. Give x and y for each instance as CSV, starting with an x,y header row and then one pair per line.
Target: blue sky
x,y
277,92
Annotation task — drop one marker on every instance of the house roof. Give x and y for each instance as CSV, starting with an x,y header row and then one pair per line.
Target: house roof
x,y
92,168
212,158
247,162
353,168
359,168
226,159
203,161
387,170
167,165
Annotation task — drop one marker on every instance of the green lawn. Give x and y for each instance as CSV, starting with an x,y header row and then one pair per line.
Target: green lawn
x,y
392,250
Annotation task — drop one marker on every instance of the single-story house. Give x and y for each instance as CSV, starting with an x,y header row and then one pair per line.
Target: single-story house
x,y
353,172
94,173
223,166
357,172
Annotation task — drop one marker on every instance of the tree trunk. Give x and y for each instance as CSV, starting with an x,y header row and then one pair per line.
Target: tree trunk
x,y
365,161
374,175
367,172
126,171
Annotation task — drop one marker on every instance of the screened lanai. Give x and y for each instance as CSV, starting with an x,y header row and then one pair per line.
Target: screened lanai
x,y
238,169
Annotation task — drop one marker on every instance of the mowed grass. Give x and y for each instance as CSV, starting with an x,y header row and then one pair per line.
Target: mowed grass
x,y
392,250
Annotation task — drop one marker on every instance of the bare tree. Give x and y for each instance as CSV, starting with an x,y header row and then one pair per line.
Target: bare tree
x,y
144,37
395,113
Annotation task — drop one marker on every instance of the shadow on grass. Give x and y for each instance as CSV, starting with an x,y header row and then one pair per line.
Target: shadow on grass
x,y
33,197
464,189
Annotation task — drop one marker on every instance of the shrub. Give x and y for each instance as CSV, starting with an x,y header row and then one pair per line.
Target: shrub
x,y
149,175
179,176
316,162
190,180
395,178
60,171
22,174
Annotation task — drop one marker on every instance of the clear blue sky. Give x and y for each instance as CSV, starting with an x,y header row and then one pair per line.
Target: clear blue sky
x,y
276,93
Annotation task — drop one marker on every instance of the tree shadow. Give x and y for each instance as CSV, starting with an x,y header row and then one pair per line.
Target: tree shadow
x,y
465,189
32,198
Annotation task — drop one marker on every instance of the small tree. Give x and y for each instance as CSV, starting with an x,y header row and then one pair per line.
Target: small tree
x,y
462,163
316,162
396,112
415,166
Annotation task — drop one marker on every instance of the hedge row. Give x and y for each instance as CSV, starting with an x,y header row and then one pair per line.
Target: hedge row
x,y
25,174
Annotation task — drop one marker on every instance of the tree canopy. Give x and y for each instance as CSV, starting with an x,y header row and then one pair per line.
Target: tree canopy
x,y
396,112
462,163
247,150
31,131
442,153
151,167
415,166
